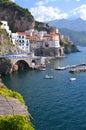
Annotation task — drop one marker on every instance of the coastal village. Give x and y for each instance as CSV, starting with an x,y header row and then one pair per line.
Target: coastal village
x,y
36,45
40,84
32,39
27,42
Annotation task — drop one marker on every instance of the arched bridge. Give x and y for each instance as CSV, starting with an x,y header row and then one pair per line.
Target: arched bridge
x,y
26,61
21,62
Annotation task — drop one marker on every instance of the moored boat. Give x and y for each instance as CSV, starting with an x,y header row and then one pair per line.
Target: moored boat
x,y
48,76
60,68
72,79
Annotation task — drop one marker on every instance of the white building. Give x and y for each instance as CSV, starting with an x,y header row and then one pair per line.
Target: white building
x,y
22,42
5,26
14,38
39,44
29,32
41,34
51,41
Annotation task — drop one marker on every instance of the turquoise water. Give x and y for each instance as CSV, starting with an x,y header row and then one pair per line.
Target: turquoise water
x,y
58,103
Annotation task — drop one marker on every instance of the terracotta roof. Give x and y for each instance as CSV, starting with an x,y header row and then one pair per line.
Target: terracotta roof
x,y
34,38
20,32
50,35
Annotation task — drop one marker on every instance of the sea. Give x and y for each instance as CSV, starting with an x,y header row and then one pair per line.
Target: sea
x,y
57,103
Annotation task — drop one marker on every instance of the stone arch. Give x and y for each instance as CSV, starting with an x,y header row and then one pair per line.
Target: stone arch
x,y
34,62
22,64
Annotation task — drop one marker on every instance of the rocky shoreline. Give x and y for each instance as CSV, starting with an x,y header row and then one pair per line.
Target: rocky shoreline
x,y
70,49
12,107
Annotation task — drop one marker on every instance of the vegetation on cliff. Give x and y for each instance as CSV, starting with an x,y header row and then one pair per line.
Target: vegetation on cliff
x,y
9,93
13,122
40,26
78,37
17,122
22,11
16,16
69,46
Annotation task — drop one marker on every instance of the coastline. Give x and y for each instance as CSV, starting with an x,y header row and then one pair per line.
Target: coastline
x,y
12,105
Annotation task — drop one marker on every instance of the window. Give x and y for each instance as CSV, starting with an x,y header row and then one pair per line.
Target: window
x,y
19,36
23,41
27,44
46,45
20,41
22,36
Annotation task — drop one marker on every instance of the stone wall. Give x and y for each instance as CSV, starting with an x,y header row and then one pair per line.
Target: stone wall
x,y
52,52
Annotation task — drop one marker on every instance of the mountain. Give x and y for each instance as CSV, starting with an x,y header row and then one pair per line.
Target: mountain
x,y
75,29
78,37
76,24
19,19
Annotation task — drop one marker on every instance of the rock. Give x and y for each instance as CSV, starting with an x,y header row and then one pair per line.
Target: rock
x,y
52,52
70,49
19,19
5,66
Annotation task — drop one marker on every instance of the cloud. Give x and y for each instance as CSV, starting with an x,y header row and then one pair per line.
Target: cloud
x,y
80,12
44,2
40,3
43,13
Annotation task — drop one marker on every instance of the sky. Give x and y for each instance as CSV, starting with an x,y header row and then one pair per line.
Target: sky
x,y
48,10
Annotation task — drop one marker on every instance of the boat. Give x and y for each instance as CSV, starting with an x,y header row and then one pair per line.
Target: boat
x,y
42,69
48,76
72,79
60,68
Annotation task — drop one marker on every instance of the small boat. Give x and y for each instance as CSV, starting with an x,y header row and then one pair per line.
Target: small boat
x,y
48,76
42,69
72,79
60,68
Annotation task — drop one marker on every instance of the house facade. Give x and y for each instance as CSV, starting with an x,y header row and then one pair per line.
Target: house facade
x,y
23,42
51,41
14,37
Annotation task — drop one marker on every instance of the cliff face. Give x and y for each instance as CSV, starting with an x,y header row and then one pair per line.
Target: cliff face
x,y
69,46
19,19
70,49
5,43
5,66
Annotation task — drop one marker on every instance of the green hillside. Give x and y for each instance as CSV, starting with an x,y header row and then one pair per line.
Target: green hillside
x,y
13,5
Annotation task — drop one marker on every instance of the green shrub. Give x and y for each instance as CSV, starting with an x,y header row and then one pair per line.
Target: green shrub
x,y
8,93
17,122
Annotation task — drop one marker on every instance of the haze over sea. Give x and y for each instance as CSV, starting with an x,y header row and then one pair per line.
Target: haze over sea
x,y
58,103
